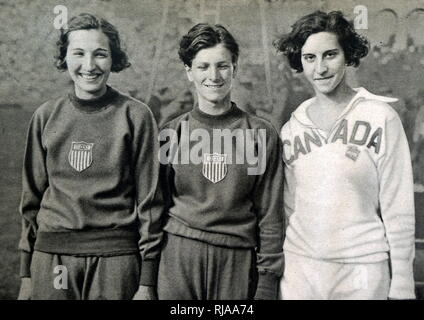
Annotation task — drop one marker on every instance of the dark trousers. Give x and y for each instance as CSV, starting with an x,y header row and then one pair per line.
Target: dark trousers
x,y
194,270
62,277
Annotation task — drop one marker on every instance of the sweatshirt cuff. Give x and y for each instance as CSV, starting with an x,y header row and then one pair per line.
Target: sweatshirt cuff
x,y
402,285
25,264
267,288
149,272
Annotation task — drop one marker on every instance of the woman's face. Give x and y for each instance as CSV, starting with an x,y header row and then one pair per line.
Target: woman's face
x,y
323,62
212,72
89,62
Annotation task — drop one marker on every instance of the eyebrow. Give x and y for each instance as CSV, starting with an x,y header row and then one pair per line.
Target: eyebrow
x,y
326,51
332,50
219,62
98,49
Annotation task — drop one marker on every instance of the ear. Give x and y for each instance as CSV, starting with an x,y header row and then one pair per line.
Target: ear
x,y
188,72
235,68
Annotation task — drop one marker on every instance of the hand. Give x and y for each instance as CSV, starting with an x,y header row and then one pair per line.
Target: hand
x,y
25,290
145,293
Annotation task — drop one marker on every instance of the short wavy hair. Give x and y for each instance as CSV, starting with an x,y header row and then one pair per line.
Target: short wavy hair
x,y
203,36
355,46
87,21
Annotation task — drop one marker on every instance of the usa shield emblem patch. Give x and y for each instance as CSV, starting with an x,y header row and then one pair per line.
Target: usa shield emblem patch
x,y
81,155
214,166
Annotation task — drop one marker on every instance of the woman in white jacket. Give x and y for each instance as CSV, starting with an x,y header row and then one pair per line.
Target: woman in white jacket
x,y
348,179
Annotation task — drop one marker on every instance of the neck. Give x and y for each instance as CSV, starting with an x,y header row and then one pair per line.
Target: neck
x,y
336,98
215,107
84,95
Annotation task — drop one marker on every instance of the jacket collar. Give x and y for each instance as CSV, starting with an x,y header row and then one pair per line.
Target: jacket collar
x,y
301,115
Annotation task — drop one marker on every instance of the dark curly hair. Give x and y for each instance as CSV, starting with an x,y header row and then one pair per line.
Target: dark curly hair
x,y
354,45
204,35
86,21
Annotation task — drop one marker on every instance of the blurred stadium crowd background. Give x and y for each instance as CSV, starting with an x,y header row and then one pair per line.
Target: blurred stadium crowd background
x,y
151,29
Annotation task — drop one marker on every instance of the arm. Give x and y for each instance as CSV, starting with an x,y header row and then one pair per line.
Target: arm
x,y
34,183
149,202
25,289
397,208
163,199
289,185
269,207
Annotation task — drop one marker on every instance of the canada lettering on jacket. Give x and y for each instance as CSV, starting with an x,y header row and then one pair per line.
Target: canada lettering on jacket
x,y
361,133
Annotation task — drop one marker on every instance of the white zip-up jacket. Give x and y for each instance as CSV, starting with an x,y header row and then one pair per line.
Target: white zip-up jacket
x,y
349,192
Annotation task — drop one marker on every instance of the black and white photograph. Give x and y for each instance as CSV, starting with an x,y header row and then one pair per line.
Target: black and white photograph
x,y
212,150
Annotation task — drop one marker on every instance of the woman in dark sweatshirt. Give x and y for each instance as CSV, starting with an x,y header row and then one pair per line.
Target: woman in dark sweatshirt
x,y
223,172
90,224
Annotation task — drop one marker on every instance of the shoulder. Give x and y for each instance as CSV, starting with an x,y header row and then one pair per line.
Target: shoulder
x,y
134,105
44,111
373,108
286,130
135,112
175,122
263,126
299,114
257,122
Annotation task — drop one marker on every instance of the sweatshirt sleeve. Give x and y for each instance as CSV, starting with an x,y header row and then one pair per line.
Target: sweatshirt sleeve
x,y
289,179
34,184
268,204
397,208
150,202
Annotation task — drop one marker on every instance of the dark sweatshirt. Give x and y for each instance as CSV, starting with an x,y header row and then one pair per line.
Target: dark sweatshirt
x,y
89,181
222,204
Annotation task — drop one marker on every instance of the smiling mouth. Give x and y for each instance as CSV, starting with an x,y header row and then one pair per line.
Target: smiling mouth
x,y
213,86
90,77
324,78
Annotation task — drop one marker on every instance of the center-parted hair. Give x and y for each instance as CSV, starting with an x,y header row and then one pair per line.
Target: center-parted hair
x,y
354,45
86,21
203,36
